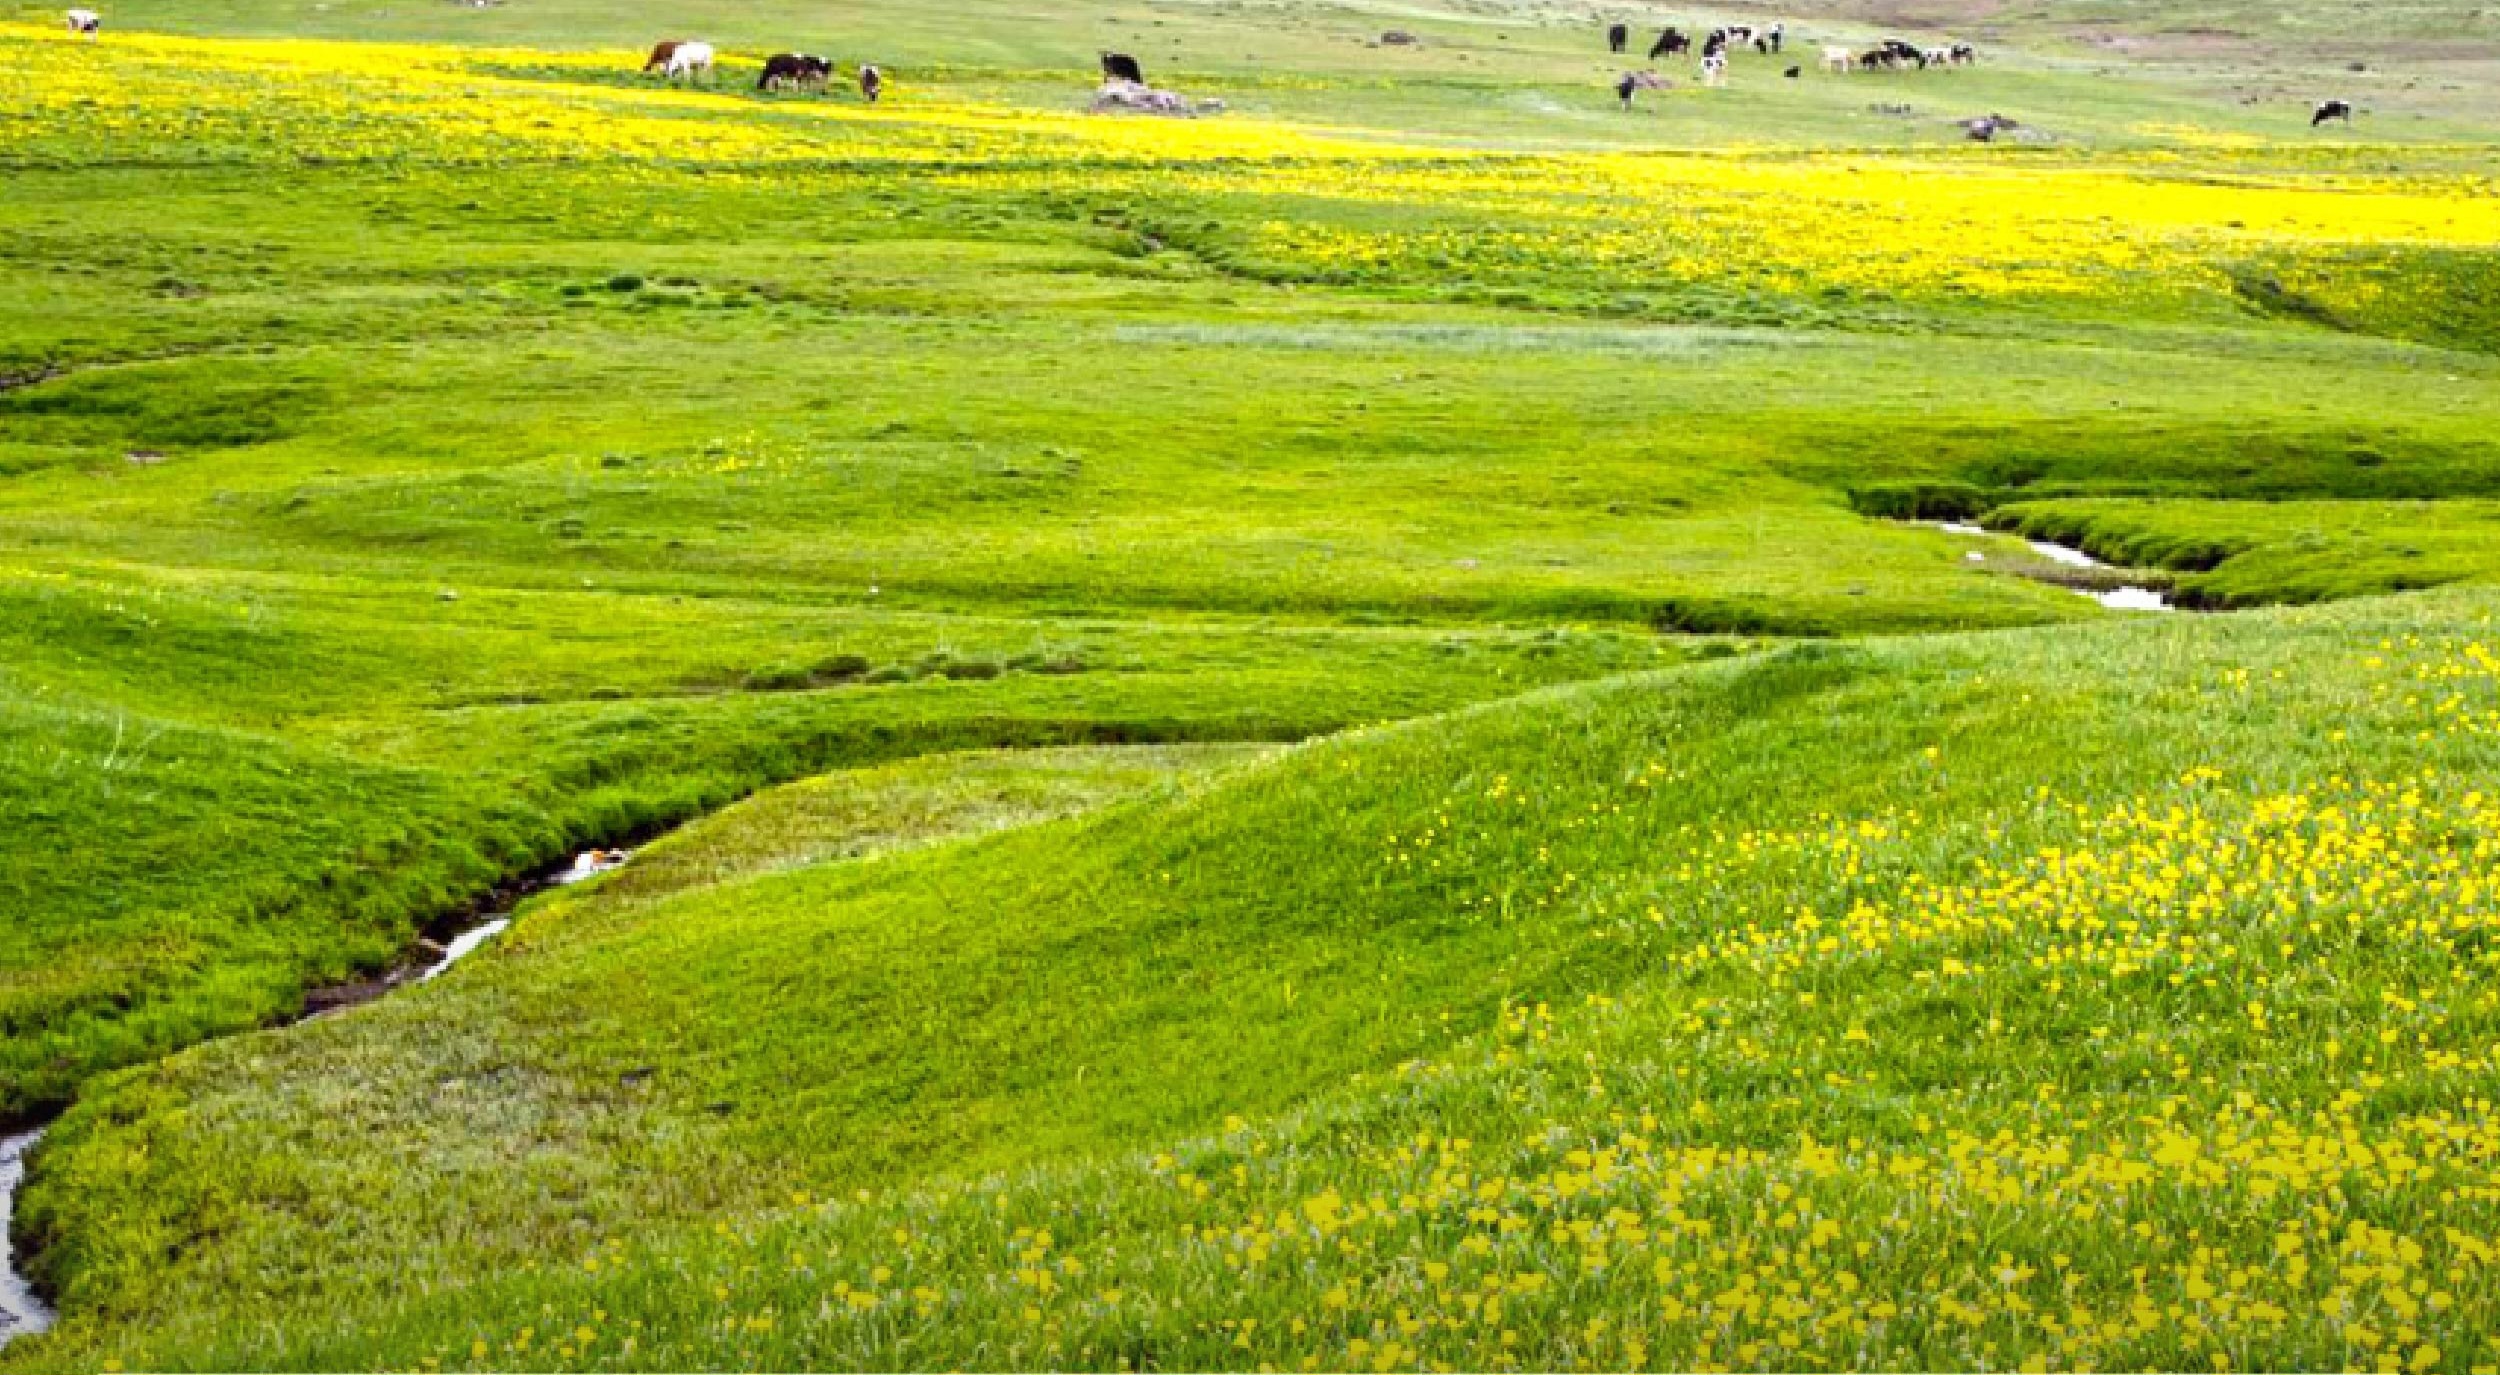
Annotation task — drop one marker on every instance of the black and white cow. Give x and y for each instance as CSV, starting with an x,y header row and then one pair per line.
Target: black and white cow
x,y
1122,67
1670,43
86,22
2331,109
794,69
871,82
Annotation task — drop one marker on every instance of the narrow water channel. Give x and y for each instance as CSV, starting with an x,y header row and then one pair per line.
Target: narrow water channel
x,y
23,1311
2130,598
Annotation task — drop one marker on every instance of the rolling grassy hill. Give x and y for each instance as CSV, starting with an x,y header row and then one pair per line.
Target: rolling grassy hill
x,y
427,449
1925,1004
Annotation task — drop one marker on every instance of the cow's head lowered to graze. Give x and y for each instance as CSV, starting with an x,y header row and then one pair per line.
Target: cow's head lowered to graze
x,y
794,69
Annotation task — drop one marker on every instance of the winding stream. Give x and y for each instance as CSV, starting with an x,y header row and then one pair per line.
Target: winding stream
x,y
23,1311
2115,598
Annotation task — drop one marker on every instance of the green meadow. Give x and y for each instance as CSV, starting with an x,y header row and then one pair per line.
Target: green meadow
x,y
1337,735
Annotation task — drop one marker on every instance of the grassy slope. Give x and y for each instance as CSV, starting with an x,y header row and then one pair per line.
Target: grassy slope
x,y
645,1061
191,852
1246,498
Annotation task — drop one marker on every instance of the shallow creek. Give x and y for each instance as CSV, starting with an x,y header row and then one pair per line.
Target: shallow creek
x,y
23,1311
2115,598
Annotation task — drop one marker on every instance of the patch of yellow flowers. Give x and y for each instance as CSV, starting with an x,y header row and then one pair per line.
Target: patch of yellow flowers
x,y
2204,1080
1297,200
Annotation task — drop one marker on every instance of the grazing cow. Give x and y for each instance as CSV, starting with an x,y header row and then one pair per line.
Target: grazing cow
x,y
692,61
1715,44
1714,69
1934,57
1670,43
1740,33
661,52
1618,36
1962,54
794,69
1634,82
1837,59
1903,53
871,82
1987,127
1793,73
2331,109
1122,67
87,22
1878,60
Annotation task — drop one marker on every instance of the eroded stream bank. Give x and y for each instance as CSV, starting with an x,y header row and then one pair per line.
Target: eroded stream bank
x,y
23,1311
2098,584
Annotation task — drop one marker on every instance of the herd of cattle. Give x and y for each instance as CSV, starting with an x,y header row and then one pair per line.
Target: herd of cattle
x,y
684,58
1888,55
1770,40
673,58
676,58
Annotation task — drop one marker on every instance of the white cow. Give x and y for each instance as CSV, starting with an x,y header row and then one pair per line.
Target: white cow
x,y
691,60
87,22
1838,59
1714,69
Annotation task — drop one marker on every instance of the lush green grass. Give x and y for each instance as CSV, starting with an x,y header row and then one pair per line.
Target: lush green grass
x,y
192,846
415,466
1590,914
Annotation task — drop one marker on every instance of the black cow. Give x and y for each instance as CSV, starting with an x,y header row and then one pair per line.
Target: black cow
x,y
1122,67
1669,44
793,69
1617,37
1793,73
2331,109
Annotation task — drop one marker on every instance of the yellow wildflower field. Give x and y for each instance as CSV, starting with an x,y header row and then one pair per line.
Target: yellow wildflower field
x,y
1989,223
